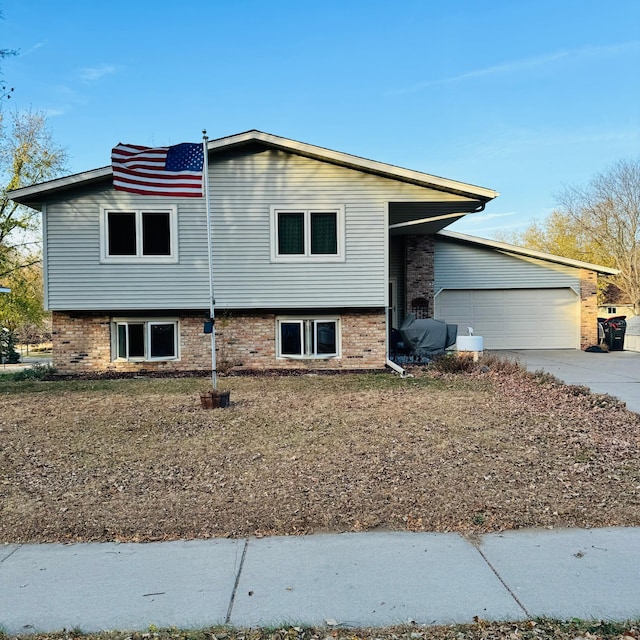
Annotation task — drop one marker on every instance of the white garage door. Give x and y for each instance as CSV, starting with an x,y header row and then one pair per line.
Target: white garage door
x,y
514,318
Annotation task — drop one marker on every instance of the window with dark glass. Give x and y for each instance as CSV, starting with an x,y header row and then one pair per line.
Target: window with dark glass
x,y
324,338
306,233
122,233
291,342
291,233
138,234
156,233
308,338
324,233
149,340
162,340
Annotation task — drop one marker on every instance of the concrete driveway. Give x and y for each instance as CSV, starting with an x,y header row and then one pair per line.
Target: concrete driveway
x,y
616,373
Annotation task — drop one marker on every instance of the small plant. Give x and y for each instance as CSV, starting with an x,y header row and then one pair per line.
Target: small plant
x,y
478,519
34,372
454,363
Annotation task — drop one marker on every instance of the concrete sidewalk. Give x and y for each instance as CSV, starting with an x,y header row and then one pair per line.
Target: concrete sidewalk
x,y
359,579
616,373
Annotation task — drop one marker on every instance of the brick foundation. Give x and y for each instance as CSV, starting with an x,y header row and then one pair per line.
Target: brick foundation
x,y
588,308
82,342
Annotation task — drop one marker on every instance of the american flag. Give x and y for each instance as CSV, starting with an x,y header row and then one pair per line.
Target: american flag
x,y
159,171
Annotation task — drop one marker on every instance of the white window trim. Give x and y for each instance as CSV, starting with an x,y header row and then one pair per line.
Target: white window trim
x,y
147,322
306,324
307,210
172,210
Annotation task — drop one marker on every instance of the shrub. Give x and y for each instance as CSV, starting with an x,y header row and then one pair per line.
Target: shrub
x,y
34,372
453,363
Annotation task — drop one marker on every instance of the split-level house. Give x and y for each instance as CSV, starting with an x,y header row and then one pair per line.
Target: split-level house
x,y
315,255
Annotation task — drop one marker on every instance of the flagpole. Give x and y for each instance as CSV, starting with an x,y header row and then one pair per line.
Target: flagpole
x,y
212,302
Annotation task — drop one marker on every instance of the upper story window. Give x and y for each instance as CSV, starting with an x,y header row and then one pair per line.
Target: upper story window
x,y
139,235
303,234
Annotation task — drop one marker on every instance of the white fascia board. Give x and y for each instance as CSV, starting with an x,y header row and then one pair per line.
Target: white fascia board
x,y
302,148
356,162
59,183
530,253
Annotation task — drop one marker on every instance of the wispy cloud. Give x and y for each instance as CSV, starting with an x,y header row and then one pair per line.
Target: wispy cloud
x,y
53,113
483,218
31,49
525,64
91,74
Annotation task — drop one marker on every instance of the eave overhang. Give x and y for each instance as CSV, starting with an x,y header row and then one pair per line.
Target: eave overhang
x,y
529,253
35,195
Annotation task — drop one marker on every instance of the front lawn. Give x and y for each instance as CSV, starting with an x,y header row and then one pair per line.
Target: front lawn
x,y
470,452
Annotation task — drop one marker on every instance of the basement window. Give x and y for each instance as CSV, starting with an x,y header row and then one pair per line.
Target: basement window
x,y
145,340
308,337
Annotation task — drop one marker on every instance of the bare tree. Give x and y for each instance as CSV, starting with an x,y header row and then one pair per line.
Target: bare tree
x,y
607,213
5,90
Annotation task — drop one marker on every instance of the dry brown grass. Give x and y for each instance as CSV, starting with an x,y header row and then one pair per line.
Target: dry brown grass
x,y
541,629
473,452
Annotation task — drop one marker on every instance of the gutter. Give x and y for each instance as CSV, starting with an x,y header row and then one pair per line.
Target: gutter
x,y
445,216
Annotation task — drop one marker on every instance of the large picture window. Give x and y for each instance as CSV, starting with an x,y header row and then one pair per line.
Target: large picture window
x,y
145,235
307,234
145,339
308,337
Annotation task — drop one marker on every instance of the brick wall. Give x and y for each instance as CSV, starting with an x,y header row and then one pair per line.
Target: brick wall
x,y
588,308
419,275
248,340
82,343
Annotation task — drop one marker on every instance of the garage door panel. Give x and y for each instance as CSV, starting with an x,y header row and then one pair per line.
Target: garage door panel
x,y
514,318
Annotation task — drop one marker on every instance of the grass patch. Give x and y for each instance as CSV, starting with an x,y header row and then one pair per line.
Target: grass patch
x,y
539,629
493,448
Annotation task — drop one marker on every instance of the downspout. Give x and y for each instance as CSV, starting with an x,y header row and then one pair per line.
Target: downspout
x,y
390,363
397,368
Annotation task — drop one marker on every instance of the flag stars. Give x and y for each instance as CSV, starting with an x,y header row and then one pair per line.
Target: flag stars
x,y
187,156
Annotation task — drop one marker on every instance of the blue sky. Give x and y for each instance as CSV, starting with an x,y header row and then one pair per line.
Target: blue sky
x,y
523,97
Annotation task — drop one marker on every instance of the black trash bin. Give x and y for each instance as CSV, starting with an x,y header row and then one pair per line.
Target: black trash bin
x,y
614,330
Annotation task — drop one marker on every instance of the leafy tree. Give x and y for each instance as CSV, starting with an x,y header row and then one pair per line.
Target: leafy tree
x,y
28,155
598,223
21,310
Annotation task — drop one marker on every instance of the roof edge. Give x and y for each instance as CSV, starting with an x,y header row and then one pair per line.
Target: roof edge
x,y
357,162
530,253
26,194
66,182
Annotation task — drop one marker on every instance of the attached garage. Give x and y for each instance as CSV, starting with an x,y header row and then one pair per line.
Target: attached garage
x,y
514,318
515,298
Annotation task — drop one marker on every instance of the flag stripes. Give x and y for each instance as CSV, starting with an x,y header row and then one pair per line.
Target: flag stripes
x,y
162,171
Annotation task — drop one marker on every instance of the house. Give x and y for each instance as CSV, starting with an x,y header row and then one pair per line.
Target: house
x,y
615,303
315,255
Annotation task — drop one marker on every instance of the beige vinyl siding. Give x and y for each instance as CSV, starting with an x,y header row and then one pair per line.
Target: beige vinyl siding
x,y
244,185
461,266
